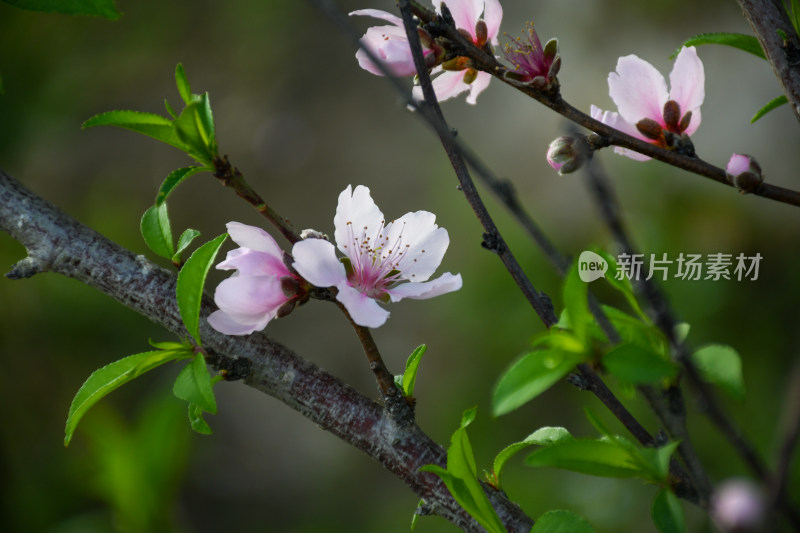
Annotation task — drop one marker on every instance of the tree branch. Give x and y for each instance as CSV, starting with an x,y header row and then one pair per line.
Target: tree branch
x,y
769,19
58,243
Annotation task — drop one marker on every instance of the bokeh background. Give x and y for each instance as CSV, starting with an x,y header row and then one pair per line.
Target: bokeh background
x,y
302,121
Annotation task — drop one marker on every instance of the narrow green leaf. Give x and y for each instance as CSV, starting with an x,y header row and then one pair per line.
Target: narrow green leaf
x,y
193,384
156,231
206,123
197,421
542,436
794,13
98,8
561,521
667,513
169,109
634,364
191,132
168,345
184,241
721,365
412,365
416,515
576,303
174,179
748,43
183,84
593,457
150,124
621,283
191,280
530,376
111,377
772,104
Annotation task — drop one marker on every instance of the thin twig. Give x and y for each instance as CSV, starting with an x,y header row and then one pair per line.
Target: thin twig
x,y
789,433
553,100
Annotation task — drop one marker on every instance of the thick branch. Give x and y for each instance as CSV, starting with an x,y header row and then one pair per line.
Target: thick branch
x,y
58,243
769,20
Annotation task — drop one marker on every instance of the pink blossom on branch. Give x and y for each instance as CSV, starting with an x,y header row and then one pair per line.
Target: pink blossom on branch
x,y
647,110
262,287
479,20
382,262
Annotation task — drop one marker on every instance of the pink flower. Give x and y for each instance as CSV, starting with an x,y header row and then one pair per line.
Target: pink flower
x,y
738,164
257,292
383,262
480,20
530,60
646,110
738,505
389,43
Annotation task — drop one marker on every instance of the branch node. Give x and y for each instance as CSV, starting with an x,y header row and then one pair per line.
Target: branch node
x,y
28,267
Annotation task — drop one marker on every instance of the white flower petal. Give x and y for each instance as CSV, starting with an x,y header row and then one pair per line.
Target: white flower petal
x,y
421,291
254,238
687,83
378,14
225,323
466,13
493,15
364,310
315,260
421,242
477,86
356,216
638,89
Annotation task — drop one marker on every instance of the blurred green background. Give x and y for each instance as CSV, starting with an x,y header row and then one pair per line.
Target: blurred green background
x,y
302,121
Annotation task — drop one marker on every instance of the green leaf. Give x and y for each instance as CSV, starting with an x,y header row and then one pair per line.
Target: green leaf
x,y
150,124
156,231
99,8
576,303
561,521
195,129
748,43
542,436
633,364
682,330
633,331
184,241
111,377
410,374
197,421
193,384
530,376
460,477
174,179
623,284
183,84
772,104
168,345
169,109
191,280
587,456
667,513
721,365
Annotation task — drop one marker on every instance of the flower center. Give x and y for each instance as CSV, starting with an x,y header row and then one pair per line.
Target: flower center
x,y
374,259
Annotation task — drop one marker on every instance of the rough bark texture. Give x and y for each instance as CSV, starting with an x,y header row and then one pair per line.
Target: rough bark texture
x,y
58,243
768,18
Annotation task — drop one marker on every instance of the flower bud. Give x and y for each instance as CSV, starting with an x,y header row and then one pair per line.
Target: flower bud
x,y
737,505
567,154
312,234
744,172
650,128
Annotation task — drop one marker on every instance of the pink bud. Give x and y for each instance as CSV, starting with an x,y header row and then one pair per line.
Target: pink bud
x,y
566,154
744,172
738,505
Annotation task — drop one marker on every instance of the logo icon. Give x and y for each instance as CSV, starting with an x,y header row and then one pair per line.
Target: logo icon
x,y
591,266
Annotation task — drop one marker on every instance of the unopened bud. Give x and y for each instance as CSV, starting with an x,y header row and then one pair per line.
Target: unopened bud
x,y
567,154
312,234
550,50
744,172
738,506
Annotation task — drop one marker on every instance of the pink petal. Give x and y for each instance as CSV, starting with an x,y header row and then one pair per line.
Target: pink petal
x,y
493,15
315,260
249,297
447,85
225,323
364,310
687,83
356,216
480,83
378,14
254,263
612,119
421,291
388,43
737,164
254,238
638,89
466,13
